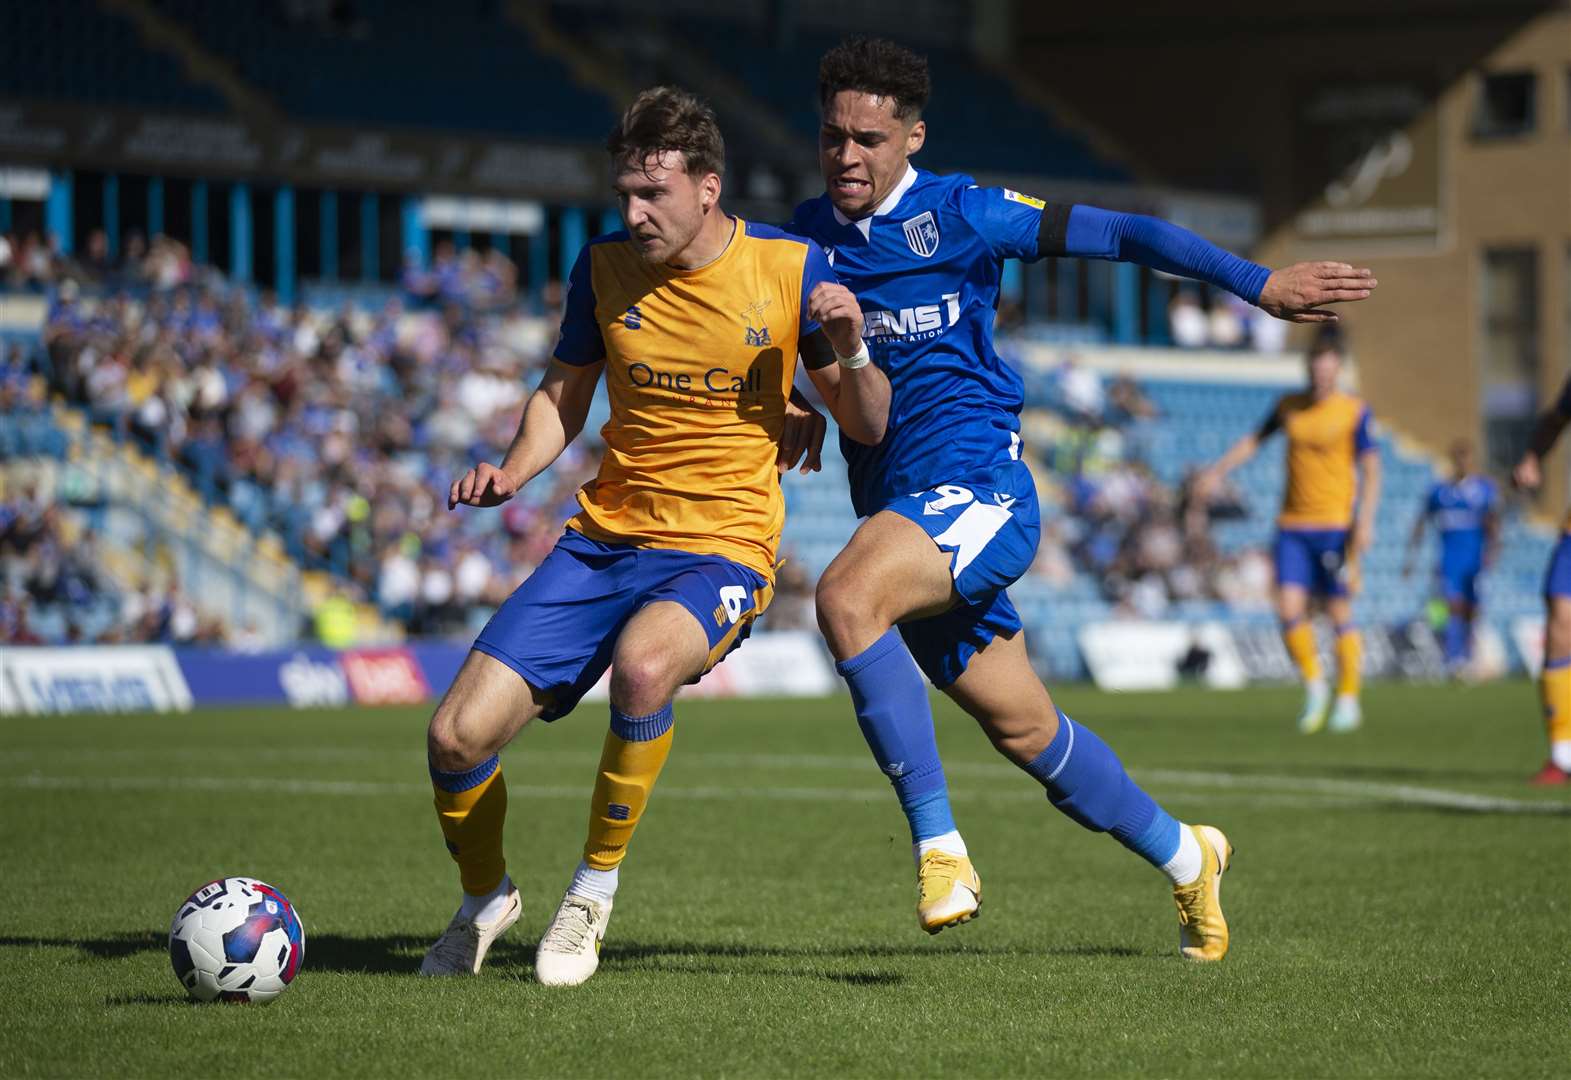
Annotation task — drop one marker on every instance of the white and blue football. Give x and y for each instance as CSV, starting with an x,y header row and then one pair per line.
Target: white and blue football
x,y
236,939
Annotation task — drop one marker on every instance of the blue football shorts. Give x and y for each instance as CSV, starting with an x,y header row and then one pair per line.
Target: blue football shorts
x,y
1459,579
559,628
990,531
1315,560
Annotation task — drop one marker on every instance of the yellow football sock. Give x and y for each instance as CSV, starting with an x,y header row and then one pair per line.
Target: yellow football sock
x,y
629,768
1555,685
471,807
1349,661
1299,637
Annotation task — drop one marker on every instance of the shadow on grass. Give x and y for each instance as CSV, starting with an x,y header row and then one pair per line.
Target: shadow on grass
x,y
163,1001
399,954
632,952
388,954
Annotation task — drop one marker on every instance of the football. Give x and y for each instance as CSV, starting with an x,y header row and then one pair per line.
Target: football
x,y
236,939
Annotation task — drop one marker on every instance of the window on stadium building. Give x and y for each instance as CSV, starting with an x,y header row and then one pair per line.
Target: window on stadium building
x,y
1507,105
1510,344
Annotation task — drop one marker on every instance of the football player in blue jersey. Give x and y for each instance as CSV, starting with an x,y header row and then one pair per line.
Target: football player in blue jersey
x,y
1465,511
951,511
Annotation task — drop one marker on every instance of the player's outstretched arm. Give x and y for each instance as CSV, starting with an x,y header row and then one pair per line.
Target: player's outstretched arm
x,y
1529,472
854,388
1211,477
1298,293
553,417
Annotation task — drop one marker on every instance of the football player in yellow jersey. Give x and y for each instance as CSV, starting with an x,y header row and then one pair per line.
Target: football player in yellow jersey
x,y
1326,525
696,319
1555,680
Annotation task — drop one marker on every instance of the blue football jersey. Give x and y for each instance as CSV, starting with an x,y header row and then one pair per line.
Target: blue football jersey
x,y
926,268
1459,509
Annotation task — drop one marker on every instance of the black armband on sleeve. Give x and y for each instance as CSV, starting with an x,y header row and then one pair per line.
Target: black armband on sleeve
x,y
816,351
1052,235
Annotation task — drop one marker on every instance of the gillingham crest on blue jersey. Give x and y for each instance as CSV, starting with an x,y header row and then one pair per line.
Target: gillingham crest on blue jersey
x,y
928,308
922,234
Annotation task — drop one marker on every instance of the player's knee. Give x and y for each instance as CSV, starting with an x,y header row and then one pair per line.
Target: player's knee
x,y
847,612
643,678
451,745
1023,743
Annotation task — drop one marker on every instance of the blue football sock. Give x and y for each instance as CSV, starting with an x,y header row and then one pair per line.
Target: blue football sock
x,y
1085,779
1457,639
896,720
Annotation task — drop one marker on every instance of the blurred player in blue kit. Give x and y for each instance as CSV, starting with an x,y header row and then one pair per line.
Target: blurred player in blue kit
x,y
951,517
1465,512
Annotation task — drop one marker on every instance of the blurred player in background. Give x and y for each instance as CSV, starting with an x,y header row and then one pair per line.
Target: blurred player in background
x,y
1326,525
1555,681
951,510
696,318
1465,511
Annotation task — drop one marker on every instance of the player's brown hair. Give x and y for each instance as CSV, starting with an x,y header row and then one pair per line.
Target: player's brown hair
x,y
664,118
1327,339
876,66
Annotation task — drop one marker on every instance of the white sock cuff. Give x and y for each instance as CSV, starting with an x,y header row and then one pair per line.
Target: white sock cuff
x,y
594,884
1187,862
484,908
1560,754
949,842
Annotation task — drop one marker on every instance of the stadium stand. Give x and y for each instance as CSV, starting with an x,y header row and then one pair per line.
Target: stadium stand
x,y
400,63
336,429
977,119
75,50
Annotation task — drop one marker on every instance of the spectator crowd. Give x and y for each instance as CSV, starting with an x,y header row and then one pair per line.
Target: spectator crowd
x,y
340,430
1147,545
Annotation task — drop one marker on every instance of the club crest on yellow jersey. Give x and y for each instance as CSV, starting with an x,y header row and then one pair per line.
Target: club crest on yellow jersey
x,y
756,336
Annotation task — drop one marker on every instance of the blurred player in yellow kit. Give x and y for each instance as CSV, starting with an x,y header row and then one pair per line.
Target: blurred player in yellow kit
x,y
1326,525
1555,681
696,319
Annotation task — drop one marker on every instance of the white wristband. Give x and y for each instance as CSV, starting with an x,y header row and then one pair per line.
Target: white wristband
x,y
858,359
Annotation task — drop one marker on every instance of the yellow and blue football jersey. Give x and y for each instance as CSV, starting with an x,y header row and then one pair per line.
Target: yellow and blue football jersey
x,y
1324,441
699,364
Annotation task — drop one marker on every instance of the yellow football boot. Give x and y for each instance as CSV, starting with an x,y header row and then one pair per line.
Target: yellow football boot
x,y
1202,929
948,891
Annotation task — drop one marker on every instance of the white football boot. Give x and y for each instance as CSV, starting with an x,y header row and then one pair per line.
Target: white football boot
x,y
462,947
1347,715
569,951
1317,700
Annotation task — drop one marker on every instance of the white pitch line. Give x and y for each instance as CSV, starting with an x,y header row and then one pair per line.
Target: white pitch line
x,y
1246,788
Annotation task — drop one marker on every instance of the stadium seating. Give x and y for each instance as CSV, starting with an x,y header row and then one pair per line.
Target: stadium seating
x,y
975,120
75,50
1196,421
1199,420
402,63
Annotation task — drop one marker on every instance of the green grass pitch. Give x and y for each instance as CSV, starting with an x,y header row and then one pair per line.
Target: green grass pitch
x,y
1400,900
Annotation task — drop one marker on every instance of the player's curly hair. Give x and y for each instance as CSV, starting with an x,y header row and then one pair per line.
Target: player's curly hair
x,y
876,66
665,118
